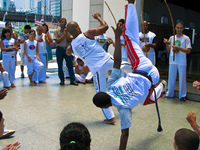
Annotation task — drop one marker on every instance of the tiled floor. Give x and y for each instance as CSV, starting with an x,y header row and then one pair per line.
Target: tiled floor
x,y
39,113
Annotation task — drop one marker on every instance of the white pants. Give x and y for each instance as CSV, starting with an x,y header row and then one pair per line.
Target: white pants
x,y
152,58
100,85
5,77
41,75
9,66
172,80
22,55
81,77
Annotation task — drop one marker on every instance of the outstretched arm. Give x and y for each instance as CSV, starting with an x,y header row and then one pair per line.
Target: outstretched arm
x,y
91,33
117,53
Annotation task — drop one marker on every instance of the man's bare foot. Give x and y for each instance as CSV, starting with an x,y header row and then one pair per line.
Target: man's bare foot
x,y
109,121
32,83
13,86
42,81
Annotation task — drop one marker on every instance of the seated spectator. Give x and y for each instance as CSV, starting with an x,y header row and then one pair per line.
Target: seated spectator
x,y
12,146
82,72
5,77
186,139
191,118
75,136
197,85
3,93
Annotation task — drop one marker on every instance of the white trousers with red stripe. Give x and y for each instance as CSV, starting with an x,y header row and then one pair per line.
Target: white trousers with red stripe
x,y
138,60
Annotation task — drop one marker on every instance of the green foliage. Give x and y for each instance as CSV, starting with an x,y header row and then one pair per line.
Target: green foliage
x,y
21,28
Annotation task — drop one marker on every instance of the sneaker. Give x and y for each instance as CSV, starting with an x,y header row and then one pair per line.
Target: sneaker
x,y
7,133
165,85
164,88
183,99
22,75
74,83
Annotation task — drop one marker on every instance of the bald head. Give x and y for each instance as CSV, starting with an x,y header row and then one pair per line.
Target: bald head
x,y
73,28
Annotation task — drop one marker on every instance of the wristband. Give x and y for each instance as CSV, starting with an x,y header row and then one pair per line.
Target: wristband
x,y
192,122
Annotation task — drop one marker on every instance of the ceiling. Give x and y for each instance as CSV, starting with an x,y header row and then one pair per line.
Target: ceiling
x,y
192,4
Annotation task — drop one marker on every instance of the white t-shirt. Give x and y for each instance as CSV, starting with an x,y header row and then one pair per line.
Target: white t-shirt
x,y
102,39
149,39
41,44
180,57
8,43
23,36
31,48
92,54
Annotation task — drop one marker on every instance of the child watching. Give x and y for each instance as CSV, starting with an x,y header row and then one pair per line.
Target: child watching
x,y
8,48
32,56
186,139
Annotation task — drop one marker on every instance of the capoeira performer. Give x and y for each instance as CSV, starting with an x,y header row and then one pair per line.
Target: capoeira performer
x,y
125,93
93,55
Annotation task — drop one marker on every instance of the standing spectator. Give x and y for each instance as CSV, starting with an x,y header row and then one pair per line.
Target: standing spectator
x,y
21,39
150,42
63,40
13,33
8,48
41,39
180,49
83,73
49,41
104,41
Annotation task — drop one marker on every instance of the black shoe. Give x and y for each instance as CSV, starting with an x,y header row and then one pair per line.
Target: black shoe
x,y
22,75
74,83
67,77
183,99
62,82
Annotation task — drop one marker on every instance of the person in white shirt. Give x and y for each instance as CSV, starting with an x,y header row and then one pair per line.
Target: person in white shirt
x,y
150,42
125,93
181,48
93,55
21,39
32,57
9,48
41,39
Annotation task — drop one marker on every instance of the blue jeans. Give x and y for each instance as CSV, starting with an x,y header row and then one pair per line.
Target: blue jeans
x,y
60,55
